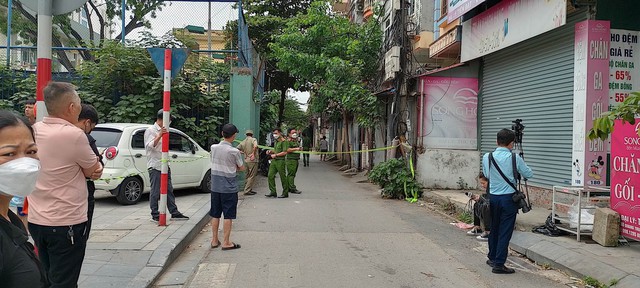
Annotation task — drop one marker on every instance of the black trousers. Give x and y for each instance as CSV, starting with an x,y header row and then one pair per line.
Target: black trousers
x,y
503,220
61,259
91,188
481,217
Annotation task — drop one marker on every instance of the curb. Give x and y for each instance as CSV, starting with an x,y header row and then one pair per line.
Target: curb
x,y
170,249
543,252
461,207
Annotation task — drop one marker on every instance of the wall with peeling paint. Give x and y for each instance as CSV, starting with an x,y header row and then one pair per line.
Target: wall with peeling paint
x,y
442,169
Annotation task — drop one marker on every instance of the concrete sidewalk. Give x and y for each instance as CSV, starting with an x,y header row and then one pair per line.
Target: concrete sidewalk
x,y
126,249
580,259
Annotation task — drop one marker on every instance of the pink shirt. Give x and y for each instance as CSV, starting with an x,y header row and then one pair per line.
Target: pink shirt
x,y
60,197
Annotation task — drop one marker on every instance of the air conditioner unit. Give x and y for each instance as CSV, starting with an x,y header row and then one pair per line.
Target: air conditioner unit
x,y
391,62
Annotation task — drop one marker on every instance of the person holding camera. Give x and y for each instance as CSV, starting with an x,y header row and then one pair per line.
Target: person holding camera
x,y
499,167
481,213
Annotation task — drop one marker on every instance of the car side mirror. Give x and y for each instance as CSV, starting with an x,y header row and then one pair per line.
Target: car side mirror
x,y
193,150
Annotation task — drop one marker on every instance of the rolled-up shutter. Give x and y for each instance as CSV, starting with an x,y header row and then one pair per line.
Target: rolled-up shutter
x,y
533,81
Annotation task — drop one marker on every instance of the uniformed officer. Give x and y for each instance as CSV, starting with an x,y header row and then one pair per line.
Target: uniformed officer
x,y
278,165
292,159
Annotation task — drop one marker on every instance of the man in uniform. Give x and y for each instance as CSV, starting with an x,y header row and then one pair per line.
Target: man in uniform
x,y
278,165
249,147
292,159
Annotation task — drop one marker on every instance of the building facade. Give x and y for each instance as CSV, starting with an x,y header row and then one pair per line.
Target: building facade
x,y
554,64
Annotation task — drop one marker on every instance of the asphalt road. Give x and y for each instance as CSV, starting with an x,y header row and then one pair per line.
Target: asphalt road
x,y
339,233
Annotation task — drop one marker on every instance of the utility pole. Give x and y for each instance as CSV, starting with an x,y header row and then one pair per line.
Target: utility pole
x,y
209,46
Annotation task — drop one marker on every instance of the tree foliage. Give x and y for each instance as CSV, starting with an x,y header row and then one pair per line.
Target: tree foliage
x,y
627,111
336,57
124,86
265,19
24,23
294,116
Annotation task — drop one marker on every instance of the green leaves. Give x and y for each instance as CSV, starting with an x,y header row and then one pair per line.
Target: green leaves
x,y
394,177
627,111
335,56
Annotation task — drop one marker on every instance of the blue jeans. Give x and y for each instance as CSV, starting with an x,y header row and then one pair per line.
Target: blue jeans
x,y
154,195
503,220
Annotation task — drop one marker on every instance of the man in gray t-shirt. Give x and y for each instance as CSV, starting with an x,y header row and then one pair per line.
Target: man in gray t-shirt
x,y
225,163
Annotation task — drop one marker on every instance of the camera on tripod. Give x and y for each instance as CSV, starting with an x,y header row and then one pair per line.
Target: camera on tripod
x,y
518,128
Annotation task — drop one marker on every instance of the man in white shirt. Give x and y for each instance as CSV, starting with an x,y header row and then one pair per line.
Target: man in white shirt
x,y
153,147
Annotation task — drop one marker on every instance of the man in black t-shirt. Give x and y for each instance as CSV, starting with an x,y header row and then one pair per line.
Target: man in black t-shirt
x,y
88,120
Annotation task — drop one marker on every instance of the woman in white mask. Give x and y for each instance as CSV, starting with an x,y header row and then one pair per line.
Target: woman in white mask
x,y
19,167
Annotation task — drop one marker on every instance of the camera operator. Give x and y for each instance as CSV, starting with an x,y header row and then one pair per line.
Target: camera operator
x,y
498,167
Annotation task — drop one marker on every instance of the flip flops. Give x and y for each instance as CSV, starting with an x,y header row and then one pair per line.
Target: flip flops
x,y
235,246
215,246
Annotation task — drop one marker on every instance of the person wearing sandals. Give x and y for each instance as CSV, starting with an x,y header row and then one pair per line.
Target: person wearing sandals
x,y
480,217
19,169
226,161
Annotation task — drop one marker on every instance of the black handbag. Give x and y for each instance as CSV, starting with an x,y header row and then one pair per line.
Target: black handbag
x,y
518,196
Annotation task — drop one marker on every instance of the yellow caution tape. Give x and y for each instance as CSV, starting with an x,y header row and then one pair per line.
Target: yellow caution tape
x,y
330,153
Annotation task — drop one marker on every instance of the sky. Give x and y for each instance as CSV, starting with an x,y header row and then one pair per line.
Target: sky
x,y
181,14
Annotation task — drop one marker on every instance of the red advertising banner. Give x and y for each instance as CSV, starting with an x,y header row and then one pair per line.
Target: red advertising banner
x,y
625,177
590,99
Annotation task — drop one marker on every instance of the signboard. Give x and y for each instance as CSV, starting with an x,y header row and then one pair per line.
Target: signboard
x,y
510,22
623,76
457,8
590,99
178,58
445,41
625,177
450,112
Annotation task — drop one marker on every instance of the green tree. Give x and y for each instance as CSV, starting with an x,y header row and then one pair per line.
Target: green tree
x,y
627,111
265,19
294,116
25,24
268,114
335,58
124,86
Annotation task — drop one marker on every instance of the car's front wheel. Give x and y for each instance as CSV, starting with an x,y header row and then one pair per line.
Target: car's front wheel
x,y
205,185
130,191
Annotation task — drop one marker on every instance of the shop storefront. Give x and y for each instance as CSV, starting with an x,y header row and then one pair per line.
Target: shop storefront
x,y
527,54
533,81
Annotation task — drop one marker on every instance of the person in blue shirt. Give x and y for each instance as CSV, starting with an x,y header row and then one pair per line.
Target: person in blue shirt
x,y
503,209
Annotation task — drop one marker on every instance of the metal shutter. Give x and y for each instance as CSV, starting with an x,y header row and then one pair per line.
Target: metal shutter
x,y
533,81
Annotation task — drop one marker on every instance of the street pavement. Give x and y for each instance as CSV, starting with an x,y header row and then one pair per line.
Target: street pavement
x,y
579,259
126,249
340,233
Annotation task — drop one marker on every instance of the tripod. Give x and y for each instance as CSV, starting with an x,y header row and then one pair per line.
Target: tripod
x,y
518,128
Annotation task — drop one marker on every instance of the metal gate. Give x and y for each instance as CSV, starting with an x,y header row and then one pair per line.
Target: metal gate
x,y
533,81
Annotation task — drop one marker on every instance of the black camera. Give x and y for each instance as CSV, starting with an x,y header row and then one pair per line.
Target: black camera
x,y
469,194
520,200
518,128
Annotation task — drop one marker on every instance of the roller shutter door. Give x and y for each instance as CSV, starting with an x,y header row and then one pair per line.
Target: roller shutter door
x,y
533,81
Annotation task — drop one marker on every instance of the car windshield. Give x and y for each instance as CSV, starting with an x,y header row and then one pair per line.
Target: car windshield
x,y
106,137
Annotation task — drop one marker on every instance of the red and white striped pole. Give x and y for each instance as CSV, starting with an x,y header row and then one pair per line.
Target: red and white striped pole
x,y
44,55
166,107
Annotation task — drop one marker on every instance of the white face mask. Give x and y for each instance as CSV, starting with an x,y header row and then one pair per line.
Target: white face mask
x,y
18,177
294,135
